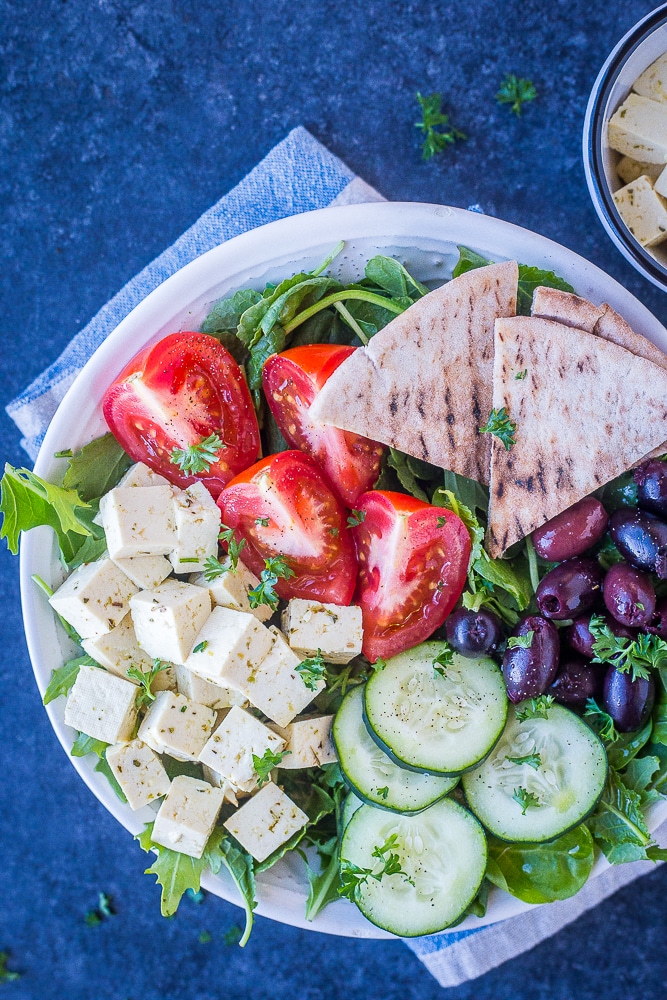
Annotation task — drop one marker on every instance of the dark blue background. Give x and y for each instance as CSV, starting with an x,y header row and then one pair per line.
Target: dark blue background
x,y
120,122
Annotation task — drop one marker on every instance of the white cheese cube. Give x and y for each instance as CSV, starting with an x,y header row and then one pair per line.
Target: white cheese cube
x,y
335,630
228,647
230,749
230,792
94,598
196,518
660,183
101,705
276,687
186,818
146,571
639,129
118,650
213,695
230,589
266,821
643,212
629,170
139,772
177,726
167,619
653,81
308,741
138,521
142,475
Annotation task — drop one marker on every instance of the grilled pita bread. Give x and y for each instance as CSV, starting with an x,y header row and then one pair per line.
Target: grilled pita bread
x,y
423,384
565,307
586,410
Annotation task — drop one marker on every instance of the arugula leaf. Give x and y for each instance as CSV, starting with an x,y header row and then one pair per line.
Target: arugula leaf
x,y
174,872
84,744
435,125
263,765
500,425
104,768
638,777
226,314
324,885
26,501
625,746
393,277
63,678
637,656
516,91
468,261
618,825
223,850
196,459
529,278
97,468
542,873
600,722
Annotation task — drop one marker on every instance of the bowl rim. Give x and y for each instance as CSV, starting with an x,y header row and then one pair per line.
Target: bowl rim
x,y
282,243
593,139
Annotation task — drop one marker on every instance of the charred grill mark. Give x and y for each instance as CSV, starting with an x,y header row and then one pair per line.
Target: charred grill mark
x,y
450,438
476,411
393,404
420,404
451,419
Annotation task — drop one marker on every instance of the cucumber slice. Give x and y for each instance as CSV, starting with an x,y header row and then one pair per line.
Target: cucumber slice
x,y
351,803
431,723
373,776
442,851
541,779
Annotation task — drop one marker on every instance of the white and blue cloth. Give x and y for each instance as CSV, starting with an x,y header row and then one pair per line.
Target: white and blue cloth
x,y
298,175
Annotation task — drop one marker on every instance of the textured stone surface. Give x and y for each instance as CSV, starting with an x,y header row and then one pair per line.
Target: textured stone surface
x,y
120,122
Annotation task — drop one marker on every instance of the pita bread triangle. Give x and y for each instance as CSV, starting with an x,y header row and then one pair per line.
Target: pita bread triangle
x,y
423,384
585,411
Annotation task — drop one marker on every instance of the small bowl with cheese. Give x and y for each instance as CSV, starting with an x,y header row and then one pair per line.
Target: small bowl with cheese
x,y
625,146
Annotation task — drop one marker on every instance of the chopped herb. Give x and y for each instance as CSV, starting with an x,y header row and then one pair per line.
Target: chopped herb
x,y
500,425
184,708
204,937
356,517
522,641
384,792
196,459
263,521
435,125
201,646
264,592
532,759
636,656
103,910
516,91
66,453
525,799
535,708
521,375
265,764
6,975
234,548
334,532
441,522
213,568
146,680
444,659
352,877
379,664
312,670
232,935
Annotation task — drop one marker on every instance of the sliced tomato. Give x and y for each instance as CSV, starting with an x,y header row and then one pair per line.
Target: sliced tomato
x,y
291,381
177,393
413,560
284,506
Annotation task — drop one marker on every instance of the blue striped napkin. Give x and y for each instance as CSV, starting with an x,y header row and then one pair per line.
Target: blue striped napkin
x,y
298,175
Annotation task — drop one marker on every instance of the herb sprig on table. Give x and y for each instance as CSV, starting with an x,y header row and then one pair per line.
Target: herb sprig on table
x,y
435,125
516,91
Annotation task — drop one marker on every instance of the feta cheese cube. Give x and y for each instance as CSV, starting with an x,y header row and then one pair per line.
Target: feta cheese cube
x,y
639,129
186,818
146,571
94,598
142,475
167,619
335,630
177,726
230,749
118,650
275,686
196,518
643,212
660,183
230,589
139,772
101,705
308,741
229,791
228,647
266,821
653,81
138,521
629,170
213,695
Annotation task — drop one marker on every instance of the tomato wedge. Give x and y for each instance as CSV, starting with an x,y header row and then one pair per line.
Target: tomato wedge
x,y
284,506
291,381
413,561
177,393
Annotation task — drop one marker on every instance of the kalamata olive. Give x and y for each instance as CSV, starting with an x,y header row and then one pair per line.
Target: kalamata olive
x,y
651,480
529,670
629,595
580,638
657,624
641,538
570,589
473,632
571,532
577,680
628,702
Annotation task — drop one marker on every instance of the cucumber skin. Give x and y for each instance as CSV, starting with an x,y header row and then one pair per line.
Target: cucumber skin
x,y
380,805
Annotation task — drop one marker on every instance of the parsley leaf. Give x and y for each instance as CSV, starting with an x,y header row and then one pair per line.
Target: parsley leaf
x,y
525,798
196,459
636,656
435,125
264,593
531,759
444,659
213,568
145,680
6,975
263,765
103,910
234,548
353,877
523,641
516,91
535,708
500,425
384,791
356,517
312,670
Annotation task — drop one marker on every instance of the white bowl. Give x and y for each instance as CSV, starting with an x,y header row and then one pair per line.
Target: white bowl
x,y
635,52
425,238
